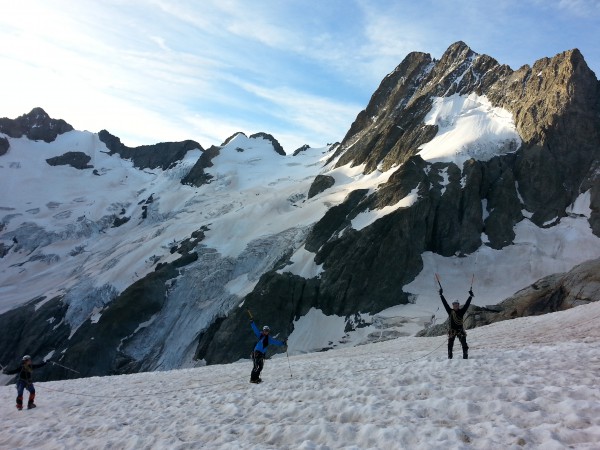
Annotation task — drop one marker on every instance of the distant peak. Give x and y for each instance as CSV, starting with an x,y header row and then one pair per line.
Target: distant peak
x,y
36,125
276,145
37,113
457,51
230,138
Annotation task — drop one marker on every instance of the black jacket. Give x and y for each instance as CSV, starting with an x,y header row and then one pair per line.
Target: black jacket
x,y
25,371
456,317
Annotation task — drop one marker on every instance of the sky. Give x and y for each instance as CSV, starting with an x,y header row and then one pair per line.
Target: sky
x,y
529,383
301,70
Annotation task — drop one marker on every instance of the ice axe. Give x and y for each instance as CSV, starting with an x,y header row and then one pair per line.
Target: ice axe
x,y
437,277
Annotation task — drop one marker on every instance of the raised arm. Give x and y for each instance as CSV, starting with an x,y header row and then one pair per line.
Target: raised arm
x,y
468,302
446,306
255,328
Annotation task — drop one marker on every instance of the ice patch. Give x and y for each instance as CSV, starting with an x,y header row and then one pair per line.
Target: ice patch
x,y
469,127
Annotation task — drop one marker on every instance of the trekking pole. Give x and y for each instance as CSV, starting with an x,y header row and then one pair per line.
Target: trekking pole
x,y
64,367
288,358
472,279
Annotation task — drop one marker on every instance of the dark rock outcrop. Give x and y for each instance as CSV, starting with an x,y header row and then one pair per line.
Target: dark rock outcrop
x,y
33,330
163,155
4,146
36,125
279,299
301,149
320,184
197,176
78,160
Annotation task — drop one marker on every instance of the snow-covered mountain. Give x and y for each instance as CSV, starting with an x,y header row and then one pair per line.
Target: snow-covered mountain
x,y
119,260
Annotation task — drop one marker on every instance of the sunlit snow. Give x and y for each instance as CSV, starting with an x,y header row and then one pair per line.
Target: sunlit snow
x,y
469,127
529,383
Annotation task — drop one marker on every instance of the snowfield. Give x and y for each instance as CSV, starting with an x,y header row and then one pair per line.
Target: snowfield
x,y
530,383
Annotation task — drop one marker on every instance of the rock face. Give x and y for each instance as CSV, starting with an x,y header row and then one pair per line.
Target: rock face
x,y
4,146
36,125
78,160
33,329
163,155
321,183
197,176
556,109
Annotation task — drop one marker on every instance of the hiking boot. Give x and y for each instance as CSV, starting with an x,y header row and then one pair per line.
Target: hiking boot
x,y
19,407
31,406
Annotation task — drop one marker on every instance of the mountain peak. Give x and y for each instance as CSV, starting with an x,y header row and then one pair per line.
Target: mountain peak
x,y
36,125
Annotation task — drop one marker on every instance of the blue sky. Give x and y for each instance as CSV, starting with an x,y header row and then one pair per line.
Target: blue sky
x,y
301,70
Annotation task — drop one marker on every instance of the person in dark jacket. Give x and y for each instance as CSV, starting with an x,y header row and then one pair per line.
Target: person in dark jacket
x,y
456,329
260,349
25,381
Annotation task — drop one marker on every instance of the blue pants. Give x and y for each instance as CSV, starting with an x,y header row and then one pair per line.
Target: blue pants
x,y
21,386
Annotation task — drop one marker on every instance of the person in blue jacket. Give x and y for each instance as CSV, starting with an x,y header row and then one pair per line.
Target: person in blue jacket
x,y
258,354
25,381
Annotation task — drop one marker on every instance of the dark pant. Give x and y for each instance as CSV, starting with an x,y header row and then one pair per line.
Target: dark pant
x,y
258,359
21,386
462,337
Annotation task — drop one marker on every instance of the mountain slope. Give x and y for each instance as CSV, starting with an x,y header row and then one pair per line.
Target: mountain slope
x,y
494,170
118,260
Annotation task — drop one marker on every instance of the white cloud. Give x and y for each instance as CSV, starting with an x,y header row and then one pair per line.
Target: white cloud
x,y
303,70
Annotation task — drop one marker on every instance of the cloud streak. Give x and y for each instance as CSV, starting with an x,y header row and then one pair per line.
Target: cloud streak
x,y
300,70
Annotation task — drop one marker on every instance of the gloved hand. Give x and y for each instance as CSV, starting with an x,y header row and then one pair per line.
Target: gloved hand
x,y
285,342
471,292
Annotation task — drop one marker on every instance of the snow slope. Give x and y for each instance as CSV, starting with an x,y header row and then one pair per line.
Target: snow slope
x,y
469,127
530,383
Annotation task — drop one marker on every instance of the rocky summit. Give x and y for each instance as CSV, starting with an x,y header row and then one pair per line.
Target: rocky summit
x,y
117,260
